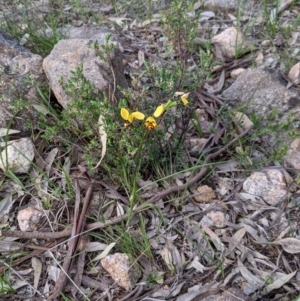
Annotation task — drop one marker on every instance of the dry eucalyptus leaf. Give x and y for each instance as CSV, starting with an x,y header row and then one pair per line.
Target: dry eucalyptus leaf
x,y
290,245
42,109
214,238
103,137
278,283
167,257
294,38
147,185
105,252
141,58
251,279
4,132
53,273
37,266
94,246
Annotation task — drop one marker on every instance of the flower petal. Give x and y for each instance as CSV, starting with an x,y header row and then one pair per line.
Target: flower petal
x,y
184,98
150,123
125,114
159,110
130,117
138,115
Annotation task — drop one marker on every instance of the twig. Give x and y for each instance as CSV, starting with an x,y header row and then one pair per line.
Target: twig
x,y
75,234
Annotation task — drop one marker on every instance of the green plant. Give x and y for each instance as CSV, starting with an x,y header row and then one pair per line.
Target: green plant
x,y
153,278
5,286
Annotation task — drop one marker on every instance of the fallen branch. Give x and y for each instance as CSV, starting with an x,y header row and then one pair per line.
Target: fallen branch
x,y
118,219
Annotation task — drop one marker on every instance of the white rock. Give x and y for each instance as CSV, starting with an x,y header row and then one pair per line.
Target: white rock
x,y
236,72
265,43
121,269
268,184
18,156
218,218
30,219
229,42
294,74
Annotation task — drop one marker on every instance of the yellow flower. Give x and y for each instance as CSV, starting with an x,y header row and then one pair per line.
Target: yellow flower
x,y
150,123
129,117
184,98
159,111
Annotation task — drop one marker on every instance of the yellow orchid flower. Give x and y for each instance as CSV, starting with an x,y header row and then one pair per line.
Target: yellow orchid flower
x,y
184,98
159,111
150,123
130,117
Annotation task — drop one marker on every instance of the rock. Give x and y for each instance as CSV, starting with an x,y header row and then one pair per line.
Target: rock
x,y
84,32
268,184
20,72
225,4
206,15
236,72
294,74
17,156
30,219
265,43
292,157
218,218
263,92
69,54
229,42
121,269
204,194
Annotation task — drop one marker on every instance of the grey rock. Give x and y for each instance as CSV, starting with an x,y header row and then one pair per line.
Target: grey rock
x,y
17,156
263,91
229,42
268,184
68,54
20,72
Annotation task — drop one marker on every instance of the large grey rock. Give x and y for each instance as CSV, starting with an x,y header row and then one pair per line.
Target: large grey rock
x,y
20,72
262,92
68,54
